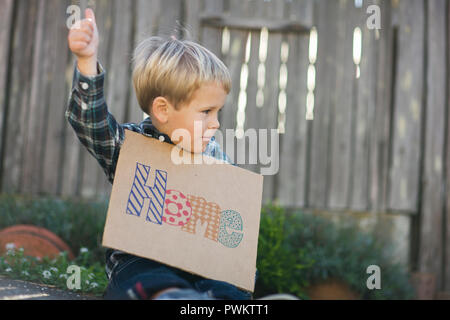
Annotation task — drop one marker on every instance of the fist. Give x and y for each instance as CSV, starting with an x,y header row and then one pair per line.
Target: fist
x,y
83,37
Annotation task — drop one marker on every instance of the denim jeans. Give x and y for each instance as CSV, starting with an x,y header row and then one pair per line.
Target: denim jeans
x,y
143,278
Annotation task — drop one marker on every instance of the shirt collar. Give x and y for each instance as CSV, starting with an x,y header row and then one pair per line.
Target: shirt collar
x,y
150,130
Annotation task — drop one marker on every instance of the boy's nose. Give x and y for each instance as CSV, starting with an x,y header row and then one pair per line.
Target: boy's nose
x,y
214,124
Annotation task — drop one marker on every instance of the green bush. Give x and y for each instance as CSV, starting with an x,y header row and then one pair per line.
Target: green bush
x,y
296,250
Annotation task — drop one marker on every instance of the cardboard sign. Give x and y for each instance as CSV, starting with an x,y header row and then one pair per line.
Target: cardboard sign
x,y
201,218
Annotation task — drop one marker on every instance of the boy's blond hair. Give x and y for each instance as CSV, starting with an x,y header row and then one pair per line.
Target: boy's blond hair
x,y
174,69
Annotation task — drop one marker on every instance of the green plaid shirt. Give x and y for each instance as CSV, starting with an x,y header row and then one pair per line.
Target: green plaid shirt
x,y
102,135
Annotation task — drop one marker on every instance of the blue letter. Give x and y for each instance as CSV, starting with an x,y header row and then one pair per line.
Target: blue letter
x,y
141,191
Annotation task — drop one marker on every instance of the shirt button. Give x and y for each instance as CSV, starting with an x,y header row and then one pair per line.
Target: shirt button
x,y
84,106
84,85
161,138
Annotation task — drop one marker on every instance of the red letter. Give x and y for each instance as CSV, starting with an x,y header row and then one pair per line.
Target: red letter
x,y
177,209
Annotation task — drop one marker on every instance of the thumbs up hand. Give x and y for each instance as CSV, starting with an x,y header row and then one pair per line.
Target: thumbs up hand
x,y
83,41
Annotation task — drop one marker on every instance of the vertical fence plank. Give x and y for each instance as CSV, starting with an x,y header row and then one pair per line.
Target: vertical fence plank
x,y
290,187
211,38
365,115
305,10
145,25
18,96
431,222
297,66
6,25
192,10
233,59
169,18
317,180
23,120
271,90
404,174
73,151
37,111
447,164
252,113
341,109
55,121
379,149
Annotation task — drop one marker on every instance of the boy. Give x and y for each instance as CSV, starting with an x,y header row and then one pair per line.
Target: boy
x,y
177,83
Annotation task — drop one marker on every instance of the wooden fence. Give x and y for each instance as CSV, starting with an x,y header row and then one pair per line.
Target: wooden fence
x,y
376,139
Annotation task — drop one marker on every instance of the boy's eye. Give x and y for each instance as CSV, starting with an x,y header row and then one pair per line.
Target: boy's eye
x,y
209,110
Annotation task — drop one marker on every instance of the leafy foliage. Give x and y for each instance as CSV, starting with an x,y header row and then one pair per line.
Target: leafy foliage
x,y
297,250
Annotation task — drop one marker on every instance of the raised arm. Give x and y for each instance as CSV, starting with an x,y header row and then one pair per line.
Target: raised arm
x,y
87,111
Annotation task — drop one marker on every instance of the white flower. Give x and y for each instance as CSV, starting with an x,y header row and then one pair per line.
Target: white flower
x,y
25,273
91,276
10,246
87,281
84,250
63,275
94,285
54,269
8,269
47,274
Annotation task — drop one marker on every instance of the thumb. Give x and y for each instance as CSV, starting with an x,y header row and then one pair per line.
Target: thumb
x,y
89,13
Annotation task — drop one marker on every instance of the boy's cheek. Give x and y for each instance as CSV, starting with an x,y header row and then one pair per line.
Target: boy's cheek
x,y
190,140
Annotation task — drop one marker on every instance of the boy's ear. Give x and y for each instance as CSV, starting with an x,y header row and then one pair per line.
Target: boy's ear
x,y
160,109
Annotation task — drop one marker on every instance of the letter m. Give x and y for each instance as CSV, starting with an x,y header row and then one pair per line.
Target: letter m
x,y
147,198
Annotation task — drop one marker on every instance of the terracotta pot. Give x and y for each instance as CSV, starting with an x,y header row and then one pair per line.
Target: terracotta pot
x,y
332,289
36,241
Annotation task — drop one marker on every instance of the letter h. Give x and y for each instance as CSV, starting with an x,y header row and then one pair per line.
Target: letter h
x,y
141,191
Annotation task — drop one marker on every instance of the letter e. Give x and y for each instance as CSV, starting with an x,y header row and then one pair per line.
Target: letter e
x,y
232,220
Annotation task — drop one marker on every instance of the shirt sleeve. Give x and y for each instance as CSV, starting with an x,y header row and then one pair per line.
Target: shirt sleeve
x,y
87,113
